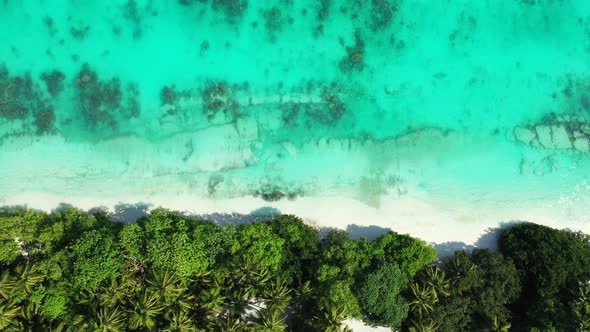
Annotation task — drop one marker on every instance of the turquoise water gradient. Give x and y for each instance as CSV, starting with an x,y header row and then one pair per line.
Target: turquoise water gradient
x,y
282,99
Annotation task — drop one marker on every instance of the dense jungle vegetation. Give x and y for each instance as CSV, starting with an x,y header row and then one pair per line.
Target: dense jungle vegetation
x,y
79,271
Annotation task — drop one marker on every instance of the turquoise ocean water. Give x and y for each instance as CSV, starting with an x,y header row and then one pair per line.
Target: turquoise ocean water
x,y
452,102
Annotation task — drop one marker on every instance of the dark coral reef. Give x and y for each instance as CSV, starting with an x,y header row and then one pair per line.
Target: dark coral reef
x,y
103,102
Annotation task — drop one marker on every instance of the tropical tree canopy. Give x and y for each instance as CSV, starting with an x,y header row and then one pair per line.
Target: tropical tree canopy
x,y
80,271
380,299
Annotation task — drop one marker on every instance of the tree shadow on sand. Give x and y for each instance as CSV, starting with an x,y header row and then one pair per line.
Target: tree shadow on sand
x,y
129,213
13,208
370,232
61,208
265,213
488,240
123,212
356,232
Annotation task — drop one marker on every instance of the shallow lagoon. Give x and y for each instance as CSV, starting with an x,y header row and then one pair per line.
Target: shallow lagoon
x,y
480,110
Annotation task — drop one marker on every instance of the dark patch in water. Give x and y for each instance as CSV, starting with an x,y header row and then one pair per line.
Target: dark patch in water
x,y
53,81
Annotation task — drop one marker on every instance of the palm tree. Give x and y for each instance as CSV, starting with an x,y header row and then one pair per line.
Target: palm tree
x,y
9,316
276,294
7,285
31,312
180,321
106,320
27,277
244,283
261,275
423,300
63,325
303,306
331,318
581,306
303,293
117,293
88,299
238,301
166,284
228,324
498,325
212,299
183,302
438,281
202,279
77,323
462,272
145,308
270,320
460,266
423,326
249,273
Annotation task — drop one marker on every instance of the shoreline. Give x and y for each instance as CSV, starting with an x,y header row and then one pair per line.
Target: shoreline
x,y
450,228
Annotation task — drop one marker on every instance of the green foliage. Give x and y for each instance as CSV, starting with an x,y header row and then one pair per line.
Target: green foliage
x,y
27,276
19,234
7,285
409,253
436,280
37,295
270,320
299,249
464,274
216,241
21,224
580,306
57,266
258,241
9,313
96,259
339,292
170,245
146,306
276,295
423,299
330,318
345,265
188,256
340,262
380,298
453,314
349,256
66,227
501,286
166,284
82,272
25,233
549,262
132,241
471,292
9,251
53,306
547,258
